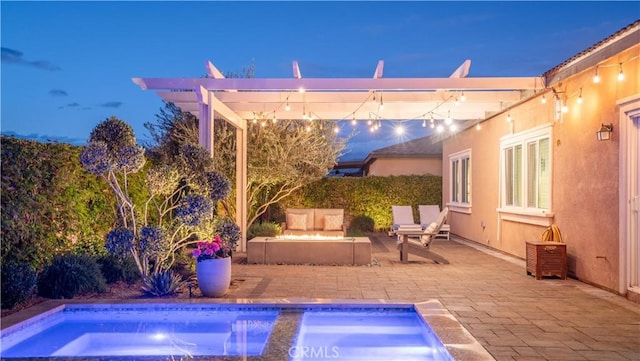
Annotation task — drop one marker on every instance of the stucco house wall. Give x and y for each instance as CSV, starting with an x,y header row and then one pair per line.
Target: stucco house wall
x,y
585,171
405,166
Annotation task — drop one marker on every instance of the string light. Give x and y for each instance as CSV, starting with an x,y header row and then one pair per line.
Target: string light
x,y
463,97
399,130
440,128
424,123
596,77
275,120
457,103
620,74
354,121
564,108
381,103
287,107
448,120
453,127
336,129
301,90
579,100
478,126
544,99
508,117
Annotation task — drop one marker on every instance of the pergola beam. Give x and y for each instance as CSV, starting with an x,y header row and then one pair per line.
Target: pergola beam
x,y
347,84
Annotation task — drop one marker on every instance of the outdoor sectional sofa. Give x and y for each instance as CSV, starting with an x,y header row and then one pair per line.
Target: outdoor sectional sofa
x,y
307,223
314,221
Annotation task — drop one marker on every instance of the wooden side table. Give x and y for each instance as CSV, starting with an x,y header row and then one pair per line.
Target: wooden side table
x,y
547,259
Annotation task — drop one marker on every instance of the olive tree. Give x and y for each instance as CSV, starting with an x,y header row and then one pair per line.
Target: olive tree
x,y
282,156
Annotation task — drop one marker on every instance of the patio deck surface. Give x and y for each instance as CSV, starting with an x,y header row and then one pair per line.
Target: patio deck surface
x,y
514,316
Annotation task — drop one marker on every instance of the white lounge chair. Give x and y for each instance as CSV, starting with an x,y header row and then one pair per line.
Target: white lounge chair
x,y
428,215
403,219
420,246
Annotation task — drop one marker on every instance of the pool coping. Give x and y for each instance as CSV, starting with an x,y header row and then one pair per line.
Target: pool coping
x,y
456,339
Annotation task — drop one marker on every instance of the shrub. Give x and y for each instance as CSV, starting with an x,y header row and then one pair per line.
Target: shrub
x,y
162,283
115,269
265,229
18,283
70,275
362,223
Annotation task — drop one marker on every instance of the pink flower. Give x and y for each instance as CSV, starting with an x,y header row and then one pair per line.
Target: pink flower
x,y
208,252
196,253
215,247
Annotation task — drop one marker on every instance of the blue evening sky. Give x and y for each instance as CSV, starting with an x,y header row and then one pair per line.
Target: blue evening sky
x,y
68,65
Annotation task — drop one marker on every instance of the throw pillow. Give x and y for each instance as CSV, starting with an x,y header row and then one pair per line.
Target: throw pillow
x,y
333,222
432,228
297,222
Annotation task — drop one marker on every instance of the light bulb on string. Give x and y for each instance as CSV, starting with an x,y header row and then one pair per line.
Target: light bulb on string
x,y
543,100
620,74
440,128
457,102
399,130
287,107
453,127
424,123
336,129
353,120
381,103
448,120
478,126
463,97
509,118
596,77
579,100
275,120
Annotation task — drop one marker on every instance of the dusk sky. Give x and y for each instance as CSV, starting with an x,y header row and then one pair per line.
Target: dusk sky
x,y
66,66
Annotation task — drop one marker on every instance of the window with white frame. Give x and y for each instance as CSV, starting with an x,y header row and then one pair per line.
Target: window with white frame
x,y
526,171
460,186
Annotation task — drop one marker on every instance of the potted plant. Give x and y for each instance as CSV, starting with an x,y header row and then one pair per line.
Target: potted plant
x,y
213,259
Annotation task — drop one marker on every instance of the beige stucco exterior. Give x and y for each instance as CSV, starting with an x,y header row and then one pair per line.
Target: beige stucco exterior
x,y
405,166
585,171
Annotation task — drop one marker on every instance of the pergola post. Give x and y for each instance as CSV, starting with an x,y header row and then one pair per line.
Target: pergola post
x,y
206,116
241,183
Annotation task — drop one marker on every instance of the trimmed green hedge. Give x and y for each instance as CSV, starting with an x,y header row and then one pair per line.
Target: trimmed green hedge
x,y
50,205
370,197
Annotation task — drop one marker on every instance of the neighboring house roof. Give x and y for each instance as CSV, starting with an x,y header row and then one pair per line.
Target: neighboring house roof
x,y
417,148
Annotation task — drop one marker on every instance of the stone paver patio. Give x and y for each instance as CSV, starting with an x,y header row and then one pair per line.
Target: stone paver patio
x,y
511,314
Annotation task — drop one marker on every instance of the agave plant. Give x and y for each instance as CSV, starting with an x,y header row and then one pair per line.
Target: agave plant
x,y
162,283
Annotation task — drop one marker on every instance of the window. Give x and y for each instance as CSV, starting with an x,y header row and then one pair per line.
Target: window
x,y
526,172
460,187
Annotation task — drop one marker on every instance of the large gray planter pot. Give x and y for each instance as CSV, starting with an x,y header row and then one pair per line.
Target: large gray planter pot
x,y
214,276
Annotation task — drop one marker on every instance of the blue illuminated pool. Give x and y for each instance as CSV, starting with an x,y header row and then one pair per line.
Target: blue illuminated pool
x,y
270,332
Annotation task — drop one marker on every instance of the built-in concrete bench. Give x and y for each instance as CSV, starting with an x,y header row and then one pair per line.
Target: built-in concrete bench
x,y
273,250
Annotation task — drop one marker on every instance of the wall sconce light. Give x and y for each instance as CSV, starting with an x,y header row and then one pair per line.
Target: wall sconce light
x,y
605,132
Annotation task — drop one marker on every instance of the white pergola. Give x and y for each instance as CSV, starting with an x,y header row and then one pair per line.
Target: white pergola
x,y
238,100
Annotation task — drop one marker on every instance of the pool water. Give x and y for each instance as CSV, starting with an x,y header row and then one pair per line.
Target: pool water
x,y
297,333
368,336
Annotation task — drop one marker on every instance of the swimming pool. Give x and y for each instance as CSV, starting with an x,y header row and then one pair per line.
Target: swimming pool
x,y
265,331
